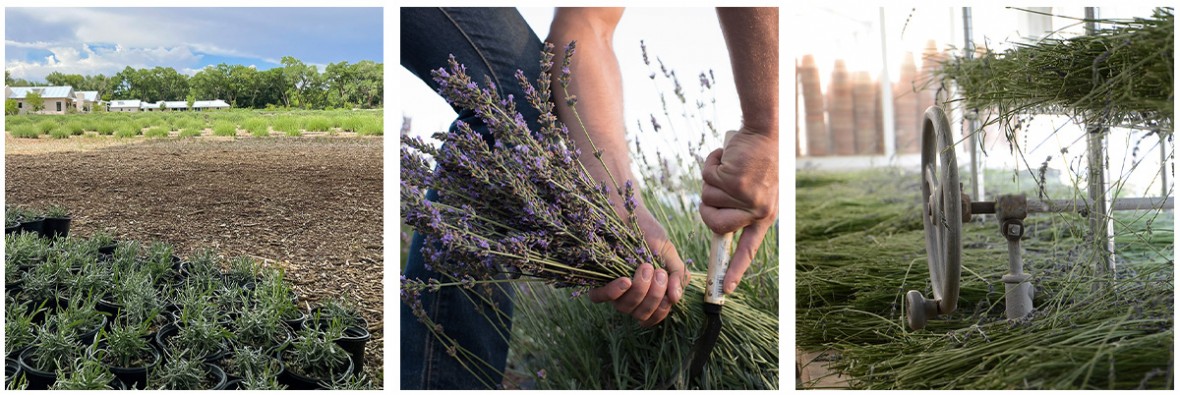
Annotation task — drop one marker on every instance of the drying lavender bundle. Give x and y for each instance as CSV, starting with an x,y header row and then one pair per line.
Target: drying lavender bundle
x,y
523,205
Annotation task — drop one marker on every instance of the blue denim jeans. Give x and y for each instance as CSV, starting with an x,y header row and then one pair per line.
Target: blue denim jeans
x,y
491,42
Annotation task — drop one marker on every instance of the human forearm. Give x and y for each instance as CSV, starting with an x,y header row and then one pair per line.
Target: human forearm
x,y
598,123
597,128
751,35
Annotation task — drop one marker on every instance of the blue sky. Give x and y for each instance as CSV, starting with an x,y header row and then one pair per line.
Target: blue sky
x,y
39,41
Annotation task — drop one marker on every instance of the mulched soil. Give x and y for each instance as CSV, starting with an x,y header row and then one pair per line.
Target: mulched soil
x,y
310,205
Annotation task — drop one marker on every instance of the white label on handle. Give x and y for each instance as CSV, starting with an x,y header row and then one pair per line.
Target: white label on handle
x,y
718,265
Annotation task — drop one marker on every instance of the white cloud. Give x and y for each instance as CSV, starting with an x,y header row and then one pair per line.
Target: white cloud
x,y
81,59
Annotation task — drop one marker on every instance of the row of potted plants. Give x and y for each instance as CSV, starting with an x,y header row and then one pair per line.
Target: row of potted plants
x,y
93,313
53,221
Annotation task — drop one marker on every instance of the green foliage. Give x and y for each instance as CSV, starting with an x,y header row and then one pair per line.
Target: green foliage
x,y
156,132
225,129
139,279
34,101
187,133
55,349
105,128
126,346
315,354
857,254
260,328
19,330
46,126
285,124
317,124
57,211
10,107
59,133
25,131
257,127
85,374
181,373
257,368
127,129
365,126
75,128
24,248
1121,75
199,338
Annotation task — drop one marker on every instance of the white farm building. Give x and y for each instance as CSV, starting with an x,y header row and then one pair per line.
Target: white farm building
x,y
63,99
55,99
137,105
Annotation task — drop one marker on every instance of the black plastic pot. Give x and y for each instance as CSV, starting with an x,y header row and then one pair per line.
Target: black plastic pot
x,y
12,229
238,379
32,226
14,289
296,323
233,384
296,381
87,338
216,374
55,227
166,333
37,379
108,249
46,306
15,354
111,309
12,370
353,341
136,377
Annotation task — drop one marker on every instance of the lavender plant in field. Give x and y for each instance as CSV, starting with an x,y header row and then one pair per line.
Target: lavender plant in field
x,y
522,205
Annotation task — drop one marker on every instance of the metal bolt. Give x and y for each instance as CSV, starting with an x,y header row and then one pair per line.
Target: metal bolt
x,y
1014,230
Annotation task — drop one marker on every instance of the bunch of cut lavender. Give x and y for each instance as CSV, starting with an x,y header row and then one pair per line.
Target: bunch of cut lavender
x,y
523,205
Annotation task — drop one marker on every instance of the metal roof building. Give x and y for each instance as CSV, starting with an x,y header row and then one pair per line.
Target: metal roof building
x,y
124,105
46,92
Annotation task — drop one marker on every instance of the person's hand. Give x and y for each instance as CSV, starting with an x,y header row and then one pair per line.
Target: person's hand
x,y
650,294
740,191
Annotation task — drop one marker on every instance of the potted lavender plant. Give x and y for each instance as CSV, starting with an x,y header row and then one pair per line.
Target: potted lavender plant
x,y
87,374
11,221
201,339
52,351
183,373
314,359
128,354
31,221
355,333
56,223
19,330
251,364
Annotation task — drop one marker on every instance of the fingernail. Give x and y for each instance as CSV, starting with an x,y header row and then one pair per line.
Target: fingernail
x,y
661,278
645,273
623,285
729,286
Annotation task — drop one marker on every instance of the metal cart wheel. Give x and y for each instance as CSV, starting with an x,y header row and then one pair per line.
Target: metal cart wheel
x,y
942,209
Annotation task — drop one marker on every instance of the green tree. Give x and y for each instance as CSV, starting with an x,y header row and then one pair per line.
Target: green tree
x,y
35,102
10,107
189,100
56,78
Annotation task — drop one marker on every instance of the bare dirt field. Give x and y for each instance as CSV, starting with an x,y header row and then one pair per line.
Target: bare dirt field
x,y
312,205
